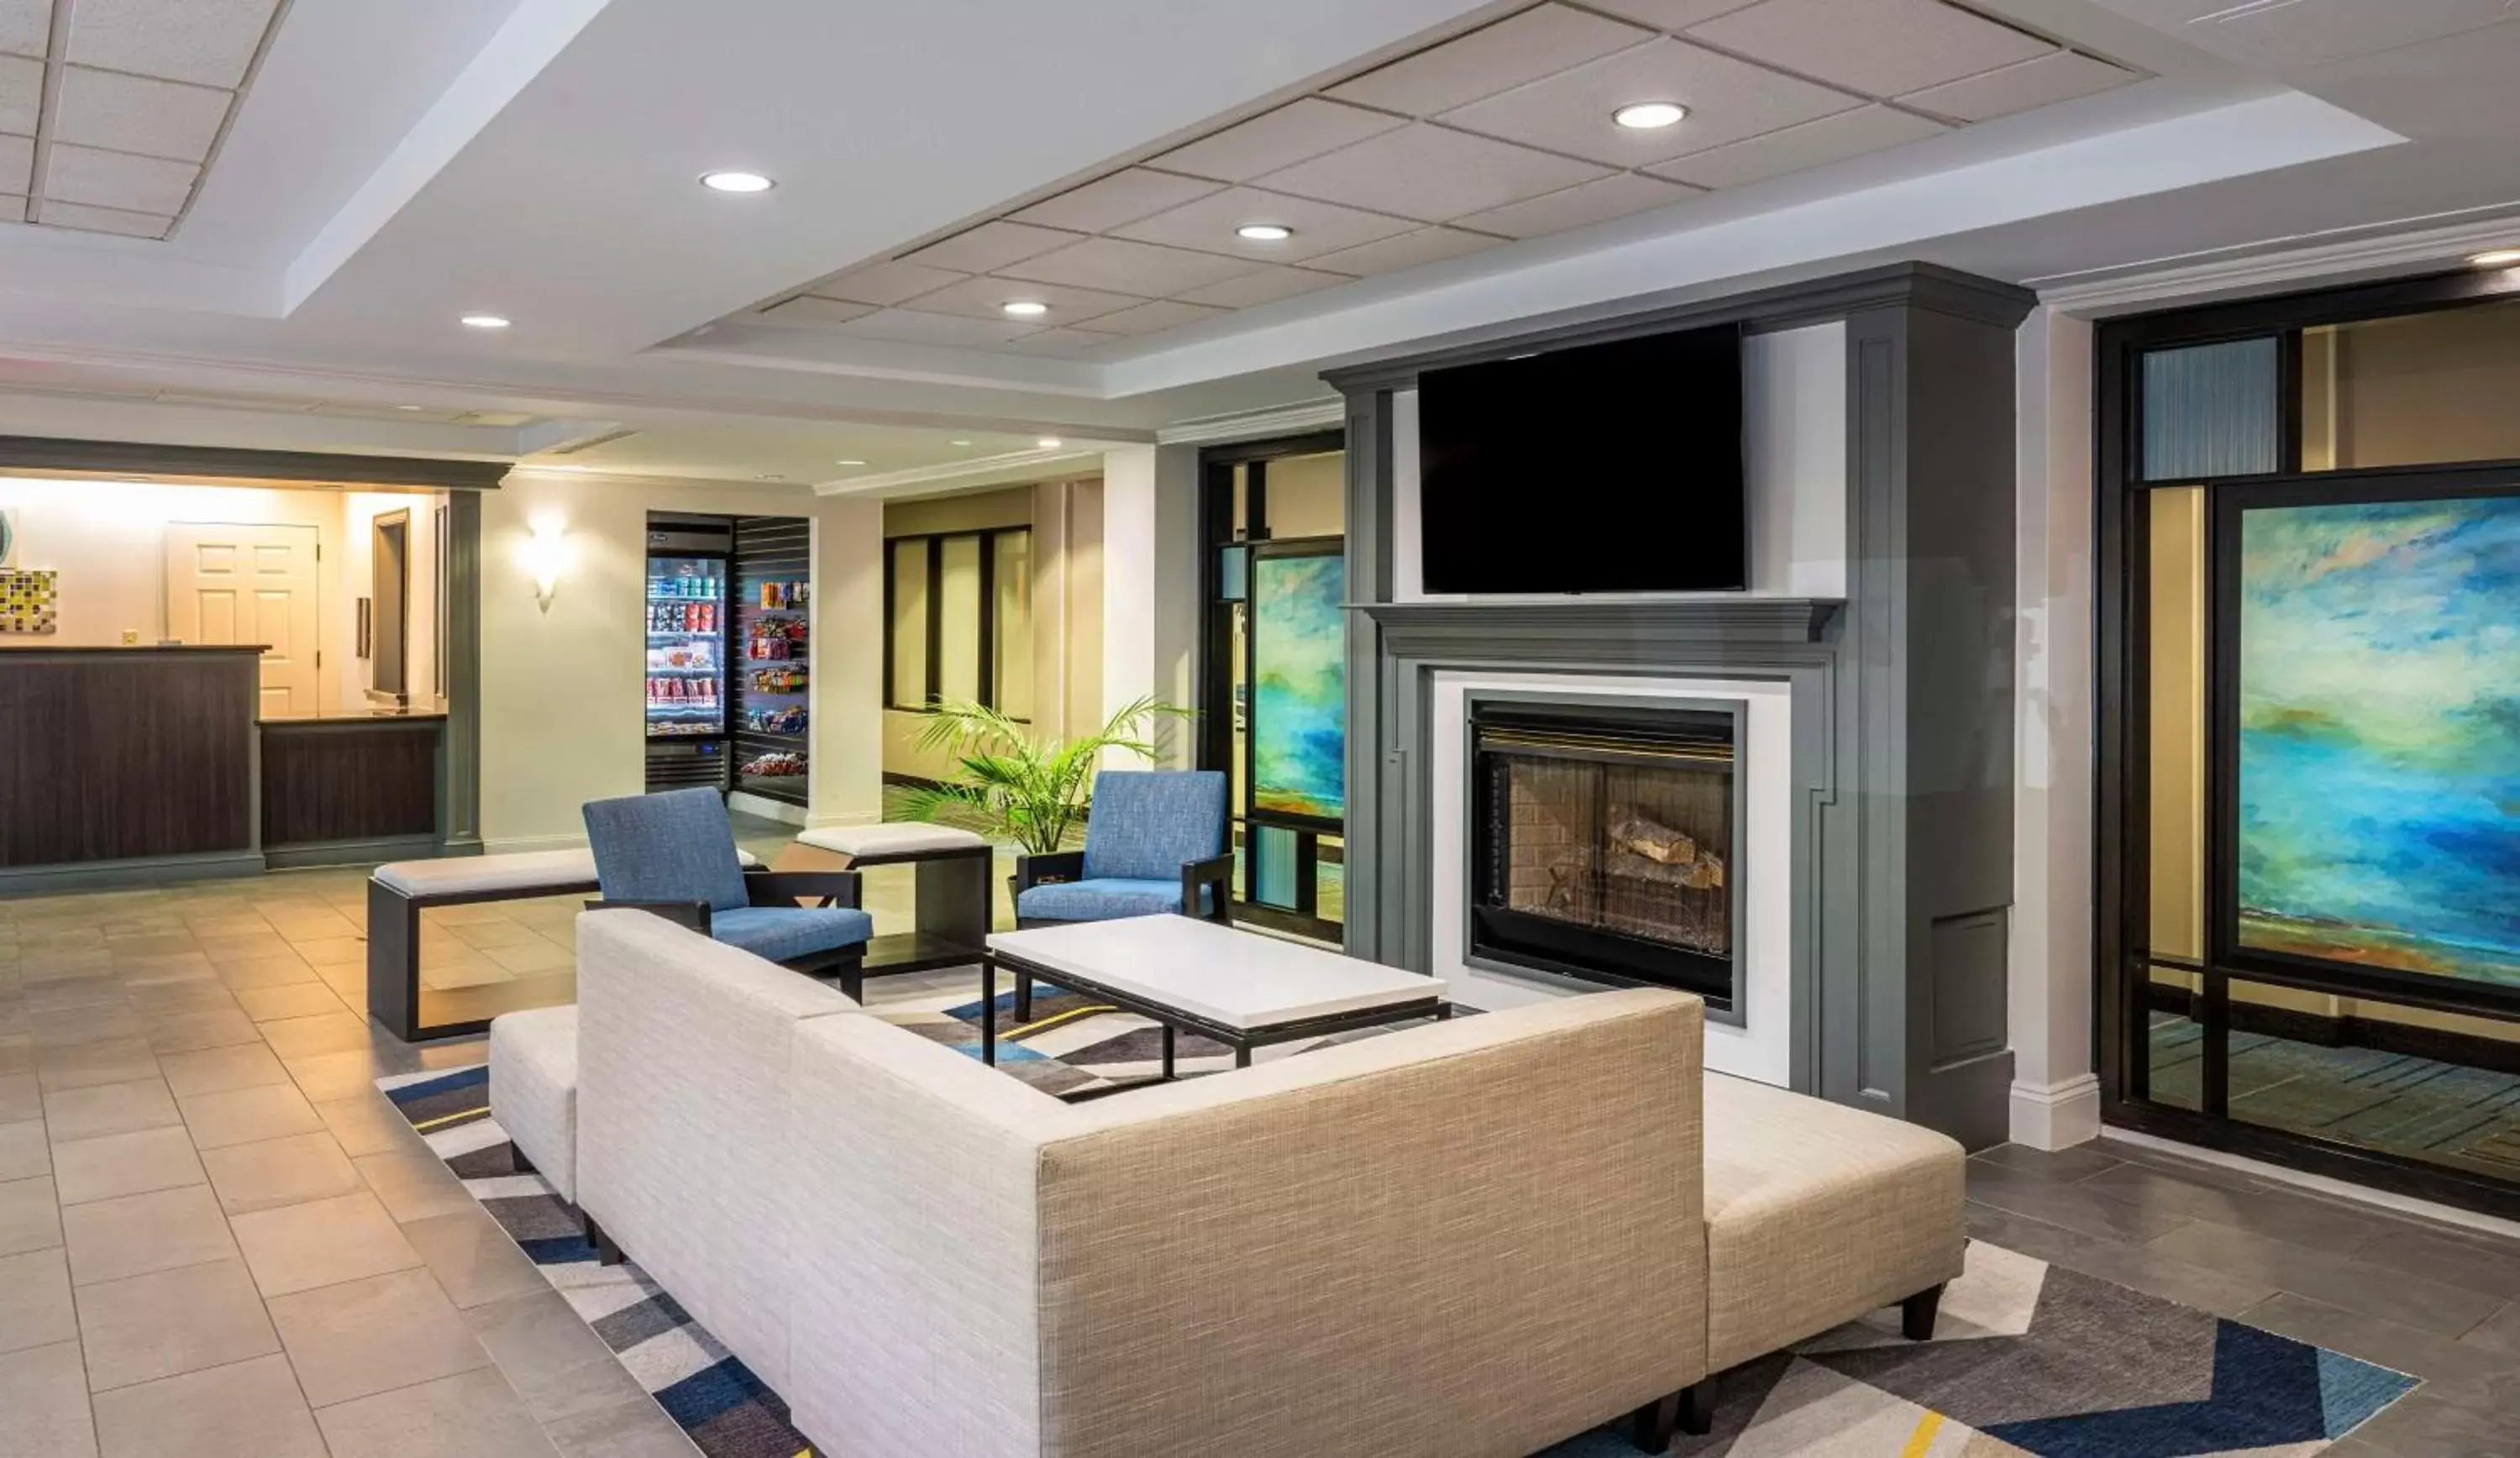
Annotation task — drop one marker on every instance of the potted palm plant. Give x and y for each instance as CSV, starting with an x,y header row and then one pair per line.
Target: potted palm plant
x,y
1033,792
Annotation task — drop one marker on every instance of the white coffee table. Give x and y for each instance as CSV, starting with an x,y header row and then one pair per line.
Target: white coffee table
x,y
1243,990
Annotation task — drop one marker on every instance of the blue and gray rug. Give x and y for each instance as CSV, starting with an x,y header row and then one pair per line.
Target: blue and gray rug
x,y
2029,1359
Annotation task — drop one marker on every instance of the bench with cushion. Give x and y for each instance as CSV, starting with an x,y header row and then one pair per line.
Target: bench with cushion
x,y
954,903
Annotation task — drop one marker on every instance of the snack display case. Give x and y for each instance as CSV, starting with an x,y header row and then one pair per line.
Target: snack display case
x,y
686,633
773,673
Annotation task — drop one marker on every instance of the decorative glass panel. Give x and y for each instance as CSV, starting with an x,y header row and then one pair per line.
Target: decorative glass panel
x,y
958,645
1011,640
2211,410
909,623
1272,850
1232,573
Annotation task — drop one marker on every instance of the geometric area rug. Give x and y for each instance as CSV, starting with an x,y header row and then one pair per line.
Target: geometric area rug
x,y
2027,1359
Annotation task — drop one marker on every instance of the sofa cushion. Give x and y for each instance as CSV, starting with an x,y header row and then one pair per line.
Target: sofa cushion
x,y
892,838
1149,823
784,933
1099,899
1817,1213
533,1090
516,870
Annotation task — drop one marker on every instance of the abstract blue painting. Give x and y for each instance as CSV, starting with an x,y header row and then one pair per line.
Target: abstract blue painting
x,y
2379,734
1299,686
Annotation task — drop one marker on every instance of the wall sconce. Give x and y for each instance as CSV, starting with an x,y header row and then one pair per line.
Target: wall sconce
x,y
546,556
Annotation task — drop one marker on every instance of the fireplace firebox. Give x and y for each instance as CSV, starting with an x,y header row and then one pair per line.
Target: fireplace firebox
x,y
1607,844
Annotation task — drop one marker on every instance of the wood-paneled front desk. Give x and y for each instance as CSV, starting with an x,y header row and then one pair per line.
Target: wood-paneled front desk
x,y
134,766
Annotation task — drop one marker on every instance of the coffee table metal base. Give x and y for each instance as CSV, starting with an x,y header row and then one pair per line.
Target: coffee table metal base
x,y
1171,1019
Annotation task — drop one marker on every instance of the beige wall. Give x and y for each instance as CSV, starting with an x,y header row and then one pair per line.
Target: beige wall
x,y
563,690
2424,387
1308,496
357,577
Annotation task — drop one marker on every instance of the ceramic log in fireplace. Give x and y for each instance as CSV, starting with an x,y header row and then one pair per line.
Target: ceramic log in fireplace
x,y
1607,844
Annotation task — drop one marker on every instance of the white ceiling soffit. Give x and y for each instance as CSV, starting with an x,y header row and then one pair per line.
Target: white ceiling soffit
x,y
113,111
1467,145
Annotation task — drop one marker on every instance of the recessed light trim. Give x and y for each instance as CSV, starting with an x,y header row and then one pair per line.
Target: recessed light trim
x,y
1050,442
485,322
1024,308
406,407
1650,116
1264,233
961,442
848,460
2495,258
736,182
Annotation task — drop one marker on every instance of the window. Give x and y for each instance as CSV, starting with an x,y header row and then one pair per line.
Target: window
x,y
957,614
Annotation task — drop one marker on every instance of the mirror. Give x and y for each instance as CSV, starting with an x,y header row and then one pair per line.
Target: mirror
x,y
392,557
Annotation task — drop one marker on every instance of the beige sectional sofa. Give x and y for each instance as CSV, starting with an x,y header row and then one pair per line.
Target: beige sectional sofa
x,y
1478,1237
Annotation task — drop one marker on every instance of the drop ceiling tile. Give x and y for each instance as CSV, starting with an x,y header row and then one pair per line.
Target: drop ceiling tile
x,y
976,251
1428,172
1263,287
2302,33
1300,129
1727,100
1539,43
1671,15
806,308
207,42
1408,250
983,298
16,165
1813,144
887,284
1155,317
1061,344
114,179
1123,266
2042,82
26,25
22,94
13,209
103,220
1879,46
1106,202
1613,197
911,326
132,113
1210,223
505,419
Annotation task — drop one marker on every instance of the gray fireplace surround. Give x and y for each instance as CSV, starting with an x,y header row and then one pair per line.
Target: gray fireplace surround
x,y
1902,691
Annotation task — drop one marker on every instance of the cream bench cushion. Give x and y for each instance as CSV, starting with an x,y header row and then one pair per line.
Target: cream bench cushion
x,y
517,870
1817,1213
533,1090
893,838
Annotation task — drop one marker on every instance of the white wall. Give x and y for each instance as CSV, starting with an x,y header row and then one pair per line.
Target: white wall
x,y
2055,1098
1150,566
564,690
357,578
1793,403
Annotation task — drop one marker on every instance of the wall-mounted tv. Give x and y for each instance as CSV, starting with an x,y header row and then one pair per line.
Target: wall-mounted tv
x,y
1605,468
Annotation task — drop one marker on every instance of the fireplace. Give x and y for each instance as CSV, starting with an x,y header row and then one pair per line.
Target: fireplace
x,y
1606,842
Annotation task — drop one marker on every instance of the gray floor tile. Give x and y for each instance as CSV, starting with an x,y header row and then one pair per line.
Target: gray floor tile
x,y
133,1163
366,1122
243,946
374,1335
2422,1425
415,1186
345,1075
77,1027
170,1322
2131,1266
271,1172
321,1243
636,1428
2075,1163
23,1151
2386,1343
2283,1214
284,969
35,1307
2067,1205
2499,1331
251,1409
304,1038
2477,1262
550,1356
116,1062
241,1116
136,1234
471,1416
102,1109
473,1260
303,1000
2337,1280
30,1215
44,1404
21,1097
220,1069
191,1032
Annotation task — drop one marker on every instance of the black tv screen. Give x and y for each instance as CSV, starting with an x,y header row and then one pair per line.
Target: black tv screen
x,y
1605,468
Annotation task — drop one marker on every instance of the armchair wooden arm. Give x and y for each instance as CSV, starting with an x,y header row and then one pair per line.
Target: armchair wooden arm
x,y
786,888
1047,869
1216,871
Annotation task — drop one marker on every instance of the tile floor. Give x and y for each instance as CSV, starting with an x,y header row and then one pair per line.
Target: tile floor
x,y
216,1237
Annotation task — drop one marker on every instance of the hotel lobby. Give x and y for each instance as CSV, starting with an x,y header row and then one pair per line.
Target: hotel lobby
x,y
1733,728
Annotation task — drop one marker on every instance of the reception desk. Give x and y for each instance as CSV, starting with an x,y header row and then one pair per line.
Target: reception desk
x,y
140,766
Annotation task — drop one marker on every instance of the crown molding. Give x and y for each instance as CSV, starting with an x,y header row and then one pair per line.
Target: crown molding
x,y
1014,469
2378,249
1257,424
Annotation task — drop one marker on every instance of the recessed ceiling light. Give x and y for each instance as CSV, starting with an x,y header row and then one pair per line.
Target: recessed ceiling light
x,y
848,460
1050,442
770,476
1648,116
484,322
961,442
736,182
406,407
1025,308
1265,232
2495,258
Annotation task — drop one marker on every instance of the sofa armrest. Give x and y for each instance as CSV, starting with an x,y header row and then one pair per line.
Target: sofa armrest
x,y
1048,868
782,887
1216,873
693,915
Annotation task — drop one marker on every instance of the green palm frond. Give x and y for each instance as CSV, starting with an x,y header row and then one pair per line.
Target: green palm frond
x,y
1033,792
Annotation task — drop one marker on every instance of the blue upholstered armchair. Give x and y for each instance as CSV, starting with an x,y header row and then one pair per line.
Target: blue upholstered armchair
x,y
673,854
1154,844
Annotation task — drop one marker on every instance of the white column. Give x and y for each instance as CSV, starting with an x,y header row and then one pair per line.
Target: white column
x,y
2056,1097
1151,570
847,676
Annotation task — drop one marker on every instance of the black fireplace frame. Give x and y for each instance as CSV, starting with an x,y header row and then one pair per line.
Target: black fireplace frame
x,y
1552,949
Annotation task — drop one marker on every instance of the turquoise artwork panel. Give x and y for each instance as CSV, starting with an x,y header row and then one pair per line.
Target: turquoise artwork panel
x,y
1299,686
2379,734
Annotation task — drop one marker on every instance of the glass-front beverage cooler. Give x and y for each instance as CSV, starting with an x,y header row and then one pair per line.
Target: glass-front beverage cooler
x,y
688,632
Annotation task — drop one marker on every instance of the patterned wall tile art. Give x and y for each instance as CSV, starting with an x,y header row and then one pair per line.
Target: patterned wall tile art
x,y
27,601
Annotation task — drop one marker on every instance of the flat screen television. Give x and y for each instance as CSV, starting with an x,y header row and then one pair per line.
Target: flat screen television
x,y
1605,468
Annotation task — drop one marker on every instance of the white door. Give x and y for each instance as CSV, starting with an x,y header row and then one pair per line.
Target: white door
x,y
250,584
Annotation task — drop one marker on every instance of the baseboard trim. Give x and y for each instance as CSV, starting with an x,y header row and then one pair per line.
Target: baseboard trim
x,y
509,845
353,851
139,870
2056,1116
766,808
